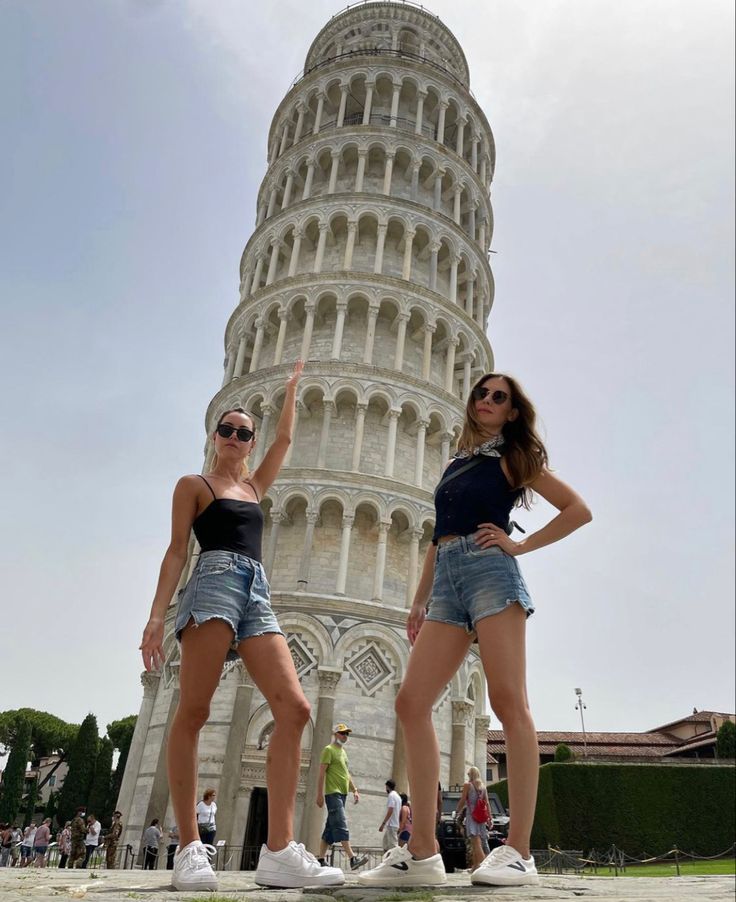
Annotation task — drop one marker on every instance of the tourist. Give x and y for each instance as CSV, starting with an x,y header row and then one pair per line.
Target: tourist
x,y
475,792
404,820
172,846
26,846
206,811
225,612
390,823
471,588
333,784
15,851
64,839
92,839
6,845
41,843
151,838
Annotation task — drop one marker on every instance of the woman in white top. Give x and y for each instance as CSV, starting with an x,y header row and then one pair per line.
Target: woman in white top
x,y
206,812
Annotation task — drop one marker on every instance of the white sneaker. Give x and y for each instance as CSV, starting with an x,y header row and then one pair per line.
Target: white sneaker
x,y
505,867
192,868
399,868
294,867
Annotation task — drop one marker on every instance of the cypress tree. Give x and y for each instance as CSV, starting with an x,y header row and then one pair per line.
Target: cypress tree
x,y
31,800
82,759
15,772
121,734
99,796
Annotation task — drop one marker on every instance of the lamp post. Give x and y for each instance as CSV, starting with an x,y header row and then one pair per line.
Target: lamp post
x,y
580,706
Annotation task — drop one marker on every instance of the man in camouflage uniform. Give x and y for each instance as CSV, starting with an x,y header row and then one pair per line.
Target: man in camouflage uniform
x,y
111,840
79,833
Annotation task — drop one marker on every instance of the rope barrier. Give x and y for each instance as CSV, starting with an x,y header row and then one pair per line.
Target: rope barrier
x,y
616,858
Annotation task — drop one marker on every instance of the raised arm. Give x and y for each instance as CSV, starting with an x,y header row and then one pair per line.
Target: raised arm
x,y
183,512
272,461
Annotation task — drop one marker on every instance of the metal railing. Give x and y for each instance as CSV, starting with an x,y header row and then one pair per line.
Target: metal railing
x,y
403,124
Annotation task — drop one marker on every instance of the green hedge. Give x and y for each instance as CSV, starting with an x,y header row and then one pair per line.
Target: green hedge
x,y
641,808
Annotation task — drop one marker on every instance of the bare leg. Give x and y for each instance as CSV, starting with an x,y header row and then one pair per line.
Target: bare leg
x,y
502,641
478,854
268,660
203,652
436,655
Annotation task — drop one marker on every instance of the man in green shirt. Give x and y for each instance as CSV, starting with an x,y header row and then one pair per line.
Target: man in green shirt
x,y
333,784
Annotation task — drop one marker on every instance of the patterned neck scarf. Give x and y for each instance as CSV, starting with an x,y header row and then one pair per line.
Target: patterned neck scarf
x,y
492,448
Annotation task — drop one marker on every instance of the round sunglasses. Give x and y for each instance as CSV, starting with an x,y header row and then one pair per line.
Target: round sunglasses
x,y
498,396
225,430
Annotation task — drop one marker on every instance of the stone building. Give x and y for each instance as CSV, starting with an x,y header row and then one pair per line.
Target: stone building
x,y
369,260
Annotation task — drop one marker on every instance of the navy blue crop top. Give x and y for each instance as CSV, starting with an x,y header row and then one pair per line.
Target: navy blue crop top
x,y
228,524
481,495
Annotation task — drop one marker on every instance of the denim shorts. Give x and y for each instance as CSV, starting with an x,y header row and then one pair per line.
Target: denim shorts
x,y
336,828
471,583
231,587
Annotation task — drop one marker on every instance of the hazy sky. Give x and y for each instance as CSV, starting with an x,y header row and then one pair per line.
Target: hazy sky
x,y
134,142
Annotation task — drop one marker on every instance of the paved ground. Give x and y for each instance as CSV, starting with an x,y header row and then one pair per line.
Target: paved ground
x,y
237,886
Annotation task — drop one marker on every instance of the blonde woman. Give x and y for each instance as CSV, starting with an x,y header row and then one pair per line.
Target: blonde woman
x,y
476,831
471,588
225,613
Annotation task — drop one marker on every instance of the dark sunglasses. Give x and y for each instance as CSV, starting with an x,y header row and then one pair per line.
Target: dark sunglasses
x,y
224,430
498,396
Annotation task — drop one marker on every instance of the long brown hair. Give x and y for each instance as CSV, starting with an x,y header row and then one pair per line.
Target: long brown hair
x,y
524,451
213,463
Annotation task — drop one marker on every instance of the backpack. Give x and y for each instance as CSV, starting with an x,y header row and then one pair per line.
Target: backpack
x,y
481,812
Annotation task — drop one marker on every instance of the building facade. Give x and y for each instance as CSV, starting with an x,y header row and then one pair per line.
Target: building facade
x,y
369,260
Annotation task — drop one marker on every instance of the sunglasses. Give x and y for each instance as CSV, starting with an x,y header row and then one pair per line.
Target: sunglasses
x,y
498,396
224,430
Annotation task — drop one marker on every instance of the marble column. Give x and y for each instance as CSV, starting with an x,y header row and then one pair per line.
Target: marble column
x,y
342,567
482,722
258,273
295,252
408,248
369,85
229,367
314,818
419,457
286,199
347,262
469,287
284,317
273,262
360,174
388,173
342,307
456,211
328,408
309,308
321,244
380,570
441,121
240,359
452,344
299,122
360,410
439,175
318,115
227,793
395,105
257,345
460,136
474,152
393,423
370,335
403,319
415,167
343,104
277,518
433,261
307,190
462,713
467,363
420,112
380,244
429,330
415,537
272,203
447,438
303,572
284,139
150,682
454,263
335,156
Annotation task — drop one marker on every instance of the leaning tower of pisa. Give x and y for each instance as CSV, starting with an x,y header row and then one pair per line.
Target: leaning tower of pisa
x,y
369,260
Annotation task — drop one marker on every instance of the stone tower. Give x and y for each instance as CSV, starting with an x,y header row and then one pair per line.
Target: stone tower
x,y
369,260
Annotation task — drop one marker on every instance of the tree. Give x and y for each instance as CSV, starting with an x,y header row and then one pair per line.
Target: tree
x,y
121,734
15,771
99,796
563,753
48,733
82,759
52,806
726,740
31,800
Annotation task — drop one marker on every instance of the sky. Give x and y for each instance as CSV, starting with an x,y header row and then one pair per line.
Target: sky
x,y
134,144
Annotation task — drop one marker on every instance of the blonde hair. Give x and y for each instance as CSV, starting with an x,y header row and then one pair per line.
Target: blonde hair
x,y
244,470
474,776
524,451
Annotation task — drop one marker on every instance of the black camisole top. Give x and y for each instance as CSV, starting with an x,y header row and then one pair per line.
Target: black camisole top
x,y
228,524
480,495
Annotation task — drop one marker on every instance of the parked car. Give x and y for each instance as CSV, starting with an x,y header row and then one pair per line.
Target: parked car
x,y
450,833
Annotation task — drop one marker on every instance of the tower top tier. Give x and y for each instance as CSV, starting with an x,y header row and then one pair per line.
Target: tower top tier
x,y
404,29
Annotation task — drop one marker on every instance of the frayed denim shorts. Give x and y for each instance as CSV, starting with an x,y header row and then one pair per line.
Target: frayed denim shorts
x,y
231,587
471,583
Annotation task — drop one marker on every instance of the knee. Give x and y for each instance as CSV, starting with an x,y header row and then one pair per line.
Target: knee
x,y
409,707
511,708
294,714
193,715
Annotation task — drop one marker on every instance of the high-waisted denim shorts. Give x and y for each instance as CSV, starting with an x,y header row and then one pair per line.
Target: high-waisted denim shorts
x,y
230,587
471,583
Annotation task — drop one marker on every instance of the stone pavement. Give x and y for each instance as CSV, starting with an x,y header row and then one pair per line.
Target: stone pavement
x,y
31,885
